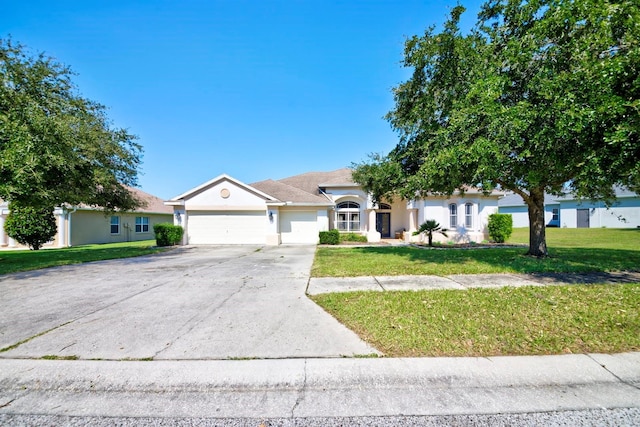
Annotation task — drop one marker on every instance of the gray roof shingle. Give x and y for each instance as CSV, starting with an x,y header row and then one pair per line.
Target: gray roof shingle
x,y
304,188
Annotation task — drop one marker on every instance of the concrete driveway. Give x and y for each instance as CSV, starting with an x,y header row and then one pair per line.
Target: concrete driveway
x,y
191,303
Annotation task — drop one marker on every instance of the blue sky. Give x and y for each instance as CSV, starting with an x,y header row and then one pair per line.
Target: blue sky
x,y
255,89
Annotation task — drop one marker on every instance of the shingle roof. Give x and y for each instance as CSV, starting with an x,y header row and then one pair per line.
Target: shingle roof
x,y
153,203
304,188
310,181
512,199
287,193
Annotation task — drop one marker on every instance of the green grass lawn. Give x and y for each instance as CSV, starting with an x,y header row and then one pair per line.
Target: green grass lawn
x,y
570,250
13,261
489,322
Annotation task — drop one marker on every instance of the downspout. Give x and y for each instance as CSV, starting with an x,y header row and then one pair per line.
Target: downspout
x,y
69,225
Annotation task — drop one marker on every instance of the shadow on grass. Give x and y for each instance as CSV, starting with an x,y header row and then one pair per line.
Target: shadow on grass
x,y
409,260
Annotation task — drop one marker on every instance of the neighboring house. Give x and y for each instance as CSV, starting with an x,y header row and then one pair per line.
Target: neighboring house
x,y
569,211
513,204
83,225
293,210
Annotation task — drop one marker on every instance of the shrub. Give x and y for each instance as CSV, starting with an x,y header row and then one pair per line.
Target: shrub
x,y
30,226
431,226
331,237
167,234
500,227
353,237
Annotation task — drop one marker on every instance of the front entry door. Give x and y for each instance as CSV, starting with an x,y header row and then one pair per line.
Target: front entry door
x,y
383,224
583,218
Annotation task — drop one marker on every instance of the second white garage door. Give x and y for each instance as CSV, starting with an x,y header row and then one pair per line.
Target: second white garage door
x,y
299,227
223,228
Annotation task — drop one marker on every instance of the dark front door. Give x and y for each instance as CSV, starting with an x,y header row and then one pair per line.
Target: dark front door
x,y
383,224
583,218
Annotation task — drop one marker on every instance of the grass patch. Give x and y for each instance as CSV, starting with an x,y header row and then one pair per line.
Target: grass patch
x,y
571,251
490,322
54,357
15,261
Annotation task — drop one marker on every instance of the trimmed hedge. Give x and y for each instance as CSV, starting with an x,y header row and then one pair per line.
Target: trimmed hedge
x,y
334,237
331,237
500,227
167,234
353,237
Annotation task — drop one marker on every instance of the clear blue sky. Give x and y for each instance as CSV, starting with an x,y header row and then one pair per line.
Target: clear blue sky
x,y
255,89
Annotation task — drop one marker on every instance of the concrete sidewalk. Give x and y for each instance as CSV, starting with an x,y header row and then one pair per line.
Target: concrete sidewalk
x,y
303,388
321,285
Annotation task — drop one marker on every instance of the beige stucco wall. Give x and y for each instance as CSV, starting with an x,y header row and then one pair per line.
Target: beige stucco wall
x,y
94,227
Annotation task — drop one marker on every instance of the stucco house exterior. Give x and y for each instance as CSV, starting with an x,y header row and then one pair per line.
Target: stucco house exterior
x,y
294,210
571,212
81,225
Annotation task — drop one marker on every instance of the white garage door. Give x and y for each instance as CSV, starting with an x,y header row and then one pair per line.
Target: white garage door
x,y
220,228
299,227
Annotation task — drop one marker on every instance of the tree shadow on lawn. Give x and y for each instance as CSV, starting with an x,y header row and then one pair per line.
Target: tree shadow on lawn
x,y
512,260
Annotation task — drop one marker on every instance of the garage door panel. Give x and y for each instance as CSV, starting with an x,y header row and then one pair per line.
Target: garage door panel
x,y
215,228
299,227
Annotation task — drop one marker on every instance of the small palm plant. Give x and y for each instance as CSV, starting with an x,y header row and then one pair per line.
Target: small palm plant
x,y
431,226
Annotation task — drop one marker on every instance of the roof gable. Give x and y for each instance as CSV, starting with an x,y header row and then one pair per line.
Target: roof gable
x,y
217,181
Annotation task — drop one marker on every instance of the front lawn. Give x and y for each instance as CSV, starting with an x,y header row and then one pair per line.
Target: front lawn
x,y
490,322
13,261
570,250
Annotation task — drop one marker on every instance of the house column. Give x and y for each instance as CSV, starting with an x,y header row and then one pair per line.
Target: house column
x,y
62,230
412,214
180,218
273,226
372,234
3,235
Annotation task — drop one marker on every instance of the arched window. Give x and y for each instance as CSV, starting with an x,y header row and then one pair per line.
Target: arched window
x,y
453,216
468,215
348,216
384,206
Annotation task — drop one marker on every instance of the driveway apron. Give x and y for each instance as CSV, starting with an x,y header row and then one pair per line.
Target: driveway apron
x,y
219,302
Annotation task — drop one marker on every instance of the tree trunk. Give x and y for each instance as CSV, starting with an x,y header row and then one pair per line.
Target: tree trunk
x,y
430,238
537,232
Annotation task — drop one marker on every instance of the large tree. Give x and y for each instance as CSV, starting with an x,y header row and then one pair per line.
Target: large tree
x,y
57,147
540,96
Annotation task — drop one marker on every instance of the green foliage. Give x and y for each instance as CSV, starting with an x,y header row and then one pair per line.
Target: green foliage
x,y
353,237
430,226
540,96
30,226
500,227
168,234
331,237
55,146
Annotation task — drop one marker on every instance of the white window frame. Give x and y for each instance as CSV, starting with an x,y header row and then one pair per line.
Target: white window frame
x,y
142,224
350,213
453,216
468,215
114,224
555,214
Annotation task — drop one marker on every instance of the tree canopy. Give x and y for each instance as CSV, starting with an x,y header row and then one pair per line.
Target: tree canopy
x,y
57,147
541,96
